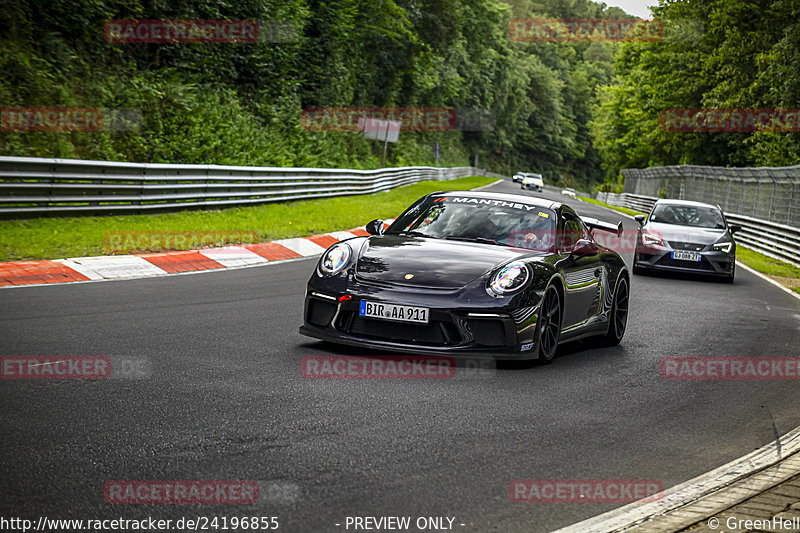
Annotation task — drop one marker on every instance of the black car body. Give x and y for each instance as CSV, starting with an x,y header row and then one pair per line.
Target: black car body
x,y
686,237
503,288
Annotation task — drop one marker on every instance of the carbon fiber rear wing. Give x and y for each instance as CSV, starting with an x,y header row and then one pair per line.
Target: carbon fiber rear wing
x,y
593,223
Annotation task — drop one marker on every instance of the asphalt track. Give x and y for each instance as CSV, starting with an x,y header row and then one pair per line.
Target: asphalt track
x,y
223,398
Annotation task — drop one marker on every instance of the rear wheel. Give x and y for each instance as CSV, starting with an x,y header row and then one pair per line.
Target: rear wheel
x,y
618,319
549,325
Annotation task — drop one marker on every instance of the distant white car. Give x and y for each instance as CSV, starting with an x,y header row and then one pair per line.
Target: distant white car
x,y
569,192
533,181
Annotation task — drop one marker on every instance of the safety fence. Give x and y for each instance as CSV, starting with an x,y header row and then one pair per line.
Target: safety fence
x,y
766,193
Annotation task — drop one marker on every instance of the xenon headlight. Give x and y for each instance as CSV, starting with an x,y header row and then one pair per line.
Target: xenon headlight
x,y
510,278
335,259
722,246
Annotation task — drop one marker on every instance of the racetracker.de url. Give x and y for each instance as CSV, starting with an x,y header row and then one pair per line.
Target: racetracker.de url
x,y
198,523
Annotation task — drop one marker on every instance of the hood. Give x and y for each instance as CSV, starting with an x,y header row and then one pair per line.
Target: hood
x,y
432,262
675,233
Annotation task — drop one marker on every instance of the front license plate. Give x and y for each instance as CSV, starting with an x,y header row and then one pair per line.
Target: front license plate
x,y
686,256
401,313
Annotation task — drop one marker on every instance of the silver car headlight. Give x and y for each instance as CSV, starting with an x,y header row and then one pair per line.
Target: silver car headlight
x,y
335,259
652,240
722,246
509,279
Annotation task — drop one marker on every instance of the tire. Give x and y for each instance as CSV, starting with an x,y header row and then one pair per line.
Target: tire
x,y
548,327
729,279
618,319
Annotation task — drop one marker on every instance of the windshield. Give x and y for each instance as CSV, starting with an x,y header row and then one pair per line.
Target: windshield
x,y
688,215
480,220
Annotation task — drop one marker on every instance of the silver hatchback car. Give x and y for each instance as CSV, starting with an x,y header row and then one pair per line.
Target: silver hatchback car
x,y
685,236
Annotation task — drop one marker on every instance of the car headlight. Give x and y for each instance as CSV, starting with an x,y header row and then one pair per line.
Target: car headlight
x,y
510,278
652,240
335,259
722,246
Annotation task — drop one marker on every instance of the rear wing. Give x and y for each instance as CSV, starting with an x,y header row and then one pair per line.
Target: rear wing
x,y
593,223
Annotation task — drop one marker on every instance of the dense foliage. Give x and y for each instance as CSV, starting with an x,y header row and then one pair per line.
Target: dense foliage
x,y
721,54
573,111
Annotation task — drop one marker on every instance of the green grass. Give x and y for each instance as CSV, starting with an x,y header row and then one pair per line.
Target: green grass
x,y
785,272
625,210
53,238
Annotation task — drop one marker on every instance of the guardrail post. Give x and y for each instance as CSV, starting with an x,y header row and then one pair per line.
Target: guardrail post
x,y
755,202
772,199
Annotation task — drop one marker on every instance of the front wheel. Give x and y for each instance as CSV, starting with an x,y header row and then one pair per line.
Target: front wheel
x,y
729,279
549,325
618,318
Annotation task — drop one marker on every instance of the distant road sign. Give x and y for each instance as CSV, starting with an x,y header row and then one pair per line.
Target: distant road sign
x,y
380,130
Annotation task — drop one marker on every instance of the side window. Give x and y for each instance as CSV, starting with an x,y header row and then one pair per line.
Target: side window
x,y
572,231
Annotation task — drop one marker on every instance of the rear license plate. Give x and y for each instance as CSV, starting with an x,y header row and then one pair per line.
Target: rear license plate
x,y
686,256
400,313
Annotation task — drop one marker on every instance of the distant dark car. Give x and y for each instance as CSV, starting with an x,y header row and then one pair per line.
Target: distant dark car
x,y
471,273
688,237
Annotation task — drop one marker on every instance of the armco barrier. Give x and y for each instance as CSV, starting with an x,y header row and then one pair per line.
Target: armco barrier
x,y
778,241
32,187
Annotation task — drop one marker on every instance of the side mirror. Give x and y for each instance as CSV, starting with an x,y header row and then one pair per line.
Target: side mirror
x,y
375,227
639,219
733,228
584,247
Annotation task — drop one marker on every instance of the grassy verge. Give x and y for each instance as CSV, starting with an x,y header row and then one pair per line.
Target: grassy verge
x,y
50,238
784,273
625,210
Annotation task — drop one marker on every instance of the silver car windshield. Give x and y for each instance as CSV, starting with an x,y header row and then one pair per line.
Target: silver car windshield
x,y
688,215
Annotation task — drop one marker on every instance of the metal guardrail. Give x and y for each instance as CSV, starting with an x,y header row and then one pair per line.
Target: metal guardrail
x,y
774,240
31,187
778,241
636,202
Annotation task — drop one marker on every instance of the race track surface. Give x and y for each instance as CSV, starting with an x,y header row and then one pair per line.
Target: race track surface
x,y
223,399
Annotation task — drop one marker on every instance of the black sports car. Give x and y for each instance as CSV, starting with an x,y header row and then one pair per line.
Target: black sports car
x,y
471,273
687,237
